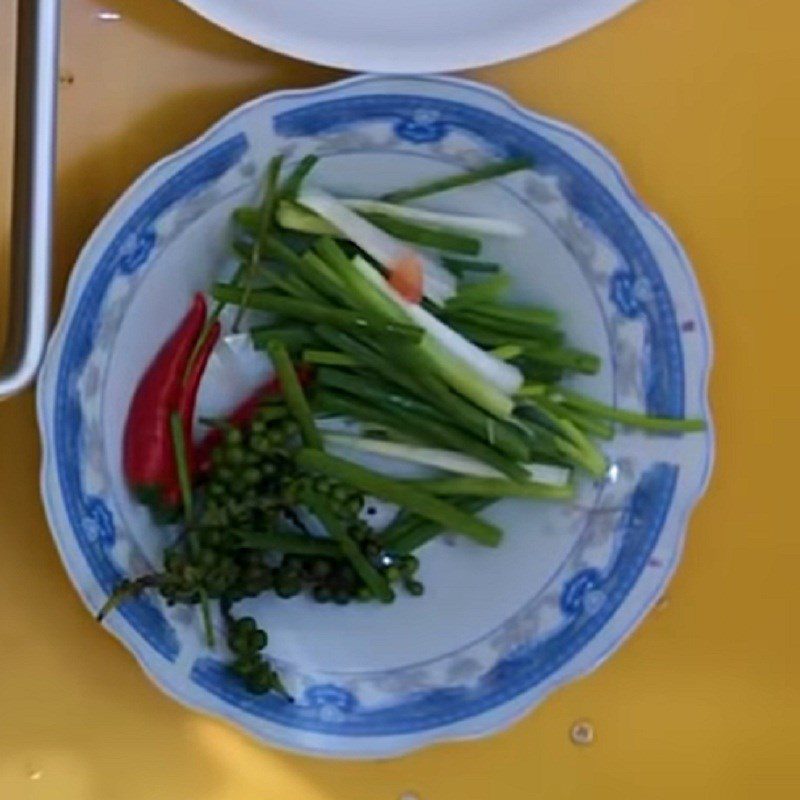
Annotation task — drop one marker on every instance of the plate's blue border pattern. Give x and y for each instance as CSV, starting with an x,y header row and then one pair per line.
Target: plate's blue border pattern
x,y
417,120
91,521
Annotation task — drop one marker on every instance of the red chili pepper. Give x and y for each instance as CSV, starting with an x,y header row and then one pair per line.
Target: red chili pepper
x,y
148,454
242,417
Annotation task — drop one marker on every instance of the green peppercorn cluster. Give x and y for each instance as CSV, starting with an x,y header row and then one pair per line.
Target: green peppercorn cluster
x,y
255,486
246,641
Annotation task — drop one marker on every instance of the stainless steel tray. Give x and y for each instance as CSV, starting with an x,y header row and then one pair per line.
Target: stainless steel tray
x,y
33,187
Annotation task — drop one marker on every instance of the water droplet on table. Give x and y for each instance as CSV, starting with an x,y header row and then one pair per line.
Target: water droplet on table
x,y
582,732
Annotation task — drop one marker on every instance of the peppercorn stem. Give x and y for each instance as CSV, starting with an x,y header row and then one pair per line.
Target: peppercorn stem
x,y
208,627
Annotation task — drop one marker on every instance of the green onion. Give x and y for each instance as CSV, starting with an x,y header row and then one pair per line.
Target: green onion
x,y
586,423
459,266
494,333
531,325
329,358
492,487
414,417
293,392
389,489
435,238
406,367
478,294
366,356
527,315
292,184
294,337
295,217
632,418
317,313
507,352
409,532
446,460
487,172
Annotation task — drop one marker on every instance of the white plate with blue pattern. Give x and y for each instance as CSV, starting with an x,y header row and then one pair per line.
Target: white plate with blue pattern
x,y
409,36
497,629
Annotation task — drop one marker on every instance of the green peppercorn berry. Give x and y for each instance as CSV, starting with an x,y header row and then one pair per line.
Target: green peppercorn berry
x,y
258,641
239,644
287,586
260,444
409,566
217,490
354,506
371,549
245,625
322,594
274,436
345,574
363,594
320,568
234,455
218,456
340,493
252,476
261,681
174,561
225,475
286,574
359,531
414,588
392,573
289,428
341,597
322,485
233,436
246,665
294,563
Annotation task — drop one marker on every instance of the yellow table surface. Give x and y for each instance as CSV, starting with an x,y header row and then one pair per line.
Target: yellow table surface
x,y
699,99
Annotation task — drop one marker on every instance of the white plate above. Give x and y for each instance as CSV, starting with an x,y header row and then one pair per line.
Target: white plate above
x,y
406,36
496,629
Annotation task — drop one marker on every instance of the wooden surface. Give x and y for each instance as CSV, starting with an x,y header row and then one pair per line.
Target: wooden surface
x,y
699,101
